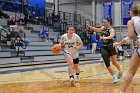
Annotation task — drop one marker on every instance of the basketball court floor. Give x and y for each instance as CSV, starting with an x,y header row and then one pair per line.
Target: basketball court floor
x,y
53,78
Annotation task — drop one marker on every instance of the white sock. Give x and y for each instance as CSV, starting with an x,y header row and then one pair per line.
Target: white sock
x,y
114,76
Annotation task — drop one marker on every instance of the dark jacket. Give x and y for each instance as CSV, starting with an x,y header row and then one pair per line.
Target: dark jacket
x,y
13,34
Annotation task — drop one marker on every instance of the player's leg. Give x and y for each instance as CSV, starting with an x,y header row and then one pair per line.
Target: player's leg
x,y
134,65
69,60
106,58
77,69
112,52
116,64
93,48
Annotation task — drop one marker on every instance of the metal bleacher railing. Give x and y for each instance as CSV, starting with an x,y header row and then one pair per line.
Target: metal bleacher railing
x,y
19,7
59,24
21,43
64,19
2,36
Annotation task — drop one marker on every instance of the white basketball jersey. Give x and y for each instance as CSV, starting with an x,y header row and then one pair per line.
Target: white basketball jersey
x,y
137,25
70,42
137,30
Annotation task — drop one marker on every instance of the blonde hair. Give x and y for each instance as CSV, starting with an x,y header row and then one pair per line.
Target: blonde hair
x,y
136,10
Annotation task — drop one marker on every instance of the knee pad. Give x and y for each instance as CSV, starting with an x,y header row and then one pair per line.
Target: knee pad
x,y
106,59
76,61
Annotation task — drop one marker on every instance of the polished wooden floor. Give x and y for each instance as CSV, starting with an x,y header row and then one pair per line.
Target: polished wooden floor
x,y
54,78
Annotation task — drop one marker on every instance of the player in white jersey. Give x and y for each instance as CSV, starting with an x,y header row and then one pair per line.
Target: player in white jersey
x,y
71,42
133,26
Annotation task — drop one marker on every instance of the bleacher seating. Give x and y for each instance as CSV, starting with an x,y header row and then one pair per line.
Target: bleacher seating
x,y
3,21
37,52
5,61
18,15
5,54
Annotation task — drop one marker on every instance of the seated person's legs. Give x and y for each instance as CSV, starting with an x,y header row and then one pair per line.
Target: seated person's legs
x,y
12,42
27,42
17,41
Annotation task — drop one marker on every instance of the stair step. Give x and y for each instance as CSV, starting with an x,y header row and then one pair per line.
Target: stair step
x,y
15,53
27,60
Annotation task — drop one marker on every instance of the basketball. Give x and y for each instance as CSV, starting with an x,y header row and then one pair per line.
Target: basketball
x,y
56,49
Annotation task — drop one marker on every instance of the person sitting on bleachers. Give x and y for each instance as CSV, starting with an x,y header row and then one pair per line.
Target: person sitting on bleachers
x,y
44,35
10,21
33,18
94,44
22,35
13,37
99,44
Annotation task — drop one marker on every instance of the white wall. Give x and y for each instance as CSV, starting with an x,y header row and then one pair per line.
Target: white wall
x,y
50,1
67,8
83,9
117,13
86,10
98,14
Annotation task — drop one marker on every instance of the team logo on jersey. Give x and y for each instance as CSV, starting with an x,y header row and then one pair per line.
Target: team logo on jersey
x,y
70,44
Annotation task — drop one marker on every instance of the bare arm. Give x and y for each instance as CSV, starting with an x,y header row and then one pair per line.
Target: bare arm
x,y
80,43
130,28
61,43
120,43
131,34
93,28
112,33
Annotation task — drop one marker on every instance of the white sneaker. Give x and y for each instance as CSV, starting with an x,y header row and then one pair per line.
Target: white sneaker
x,y
72,82
115,80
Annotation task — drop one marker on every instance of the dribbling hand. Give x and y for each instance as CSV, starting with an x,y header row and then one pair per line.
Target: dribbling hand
x,y
116,44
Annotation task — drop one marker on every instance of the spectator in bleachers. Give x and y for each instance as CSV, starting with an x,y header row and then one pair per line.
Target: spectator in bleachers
x,y
99,44
57,18
94,44
53,17
83,37
22,35
13,37
27,17
11,21
44,35
33,18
